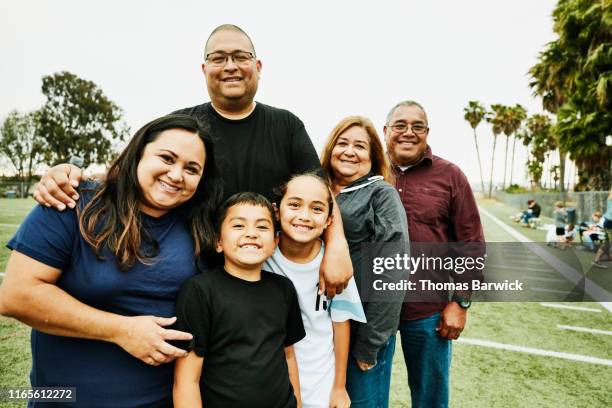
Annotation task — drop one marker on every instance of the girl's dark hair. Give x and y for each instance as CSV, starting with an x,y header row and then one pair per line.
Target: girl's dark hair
x,y
247,198
112,218
279,192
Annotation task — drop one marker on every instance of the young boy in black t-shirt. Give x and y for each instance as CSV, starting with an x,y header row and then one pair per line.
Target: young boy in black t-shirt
x,y
244,321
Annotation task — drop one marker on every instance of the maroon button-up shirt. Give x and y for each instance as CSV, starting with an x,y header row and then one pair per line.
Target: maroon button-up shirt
x,y
440,207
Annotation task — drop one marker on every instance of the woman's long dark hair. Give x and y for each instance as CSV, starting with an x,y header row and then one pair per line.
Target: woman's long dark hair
x,y
112,218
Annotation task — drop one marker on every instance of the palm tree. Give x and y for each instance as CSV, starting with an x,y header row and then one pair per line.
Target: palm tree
x,y
574,79
474,114
495,118
517,116
506,123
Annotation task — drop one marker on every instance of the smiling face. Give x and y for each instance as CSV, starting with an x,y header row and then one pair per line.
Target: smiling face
x,y
304,209
350,157
232,85
246,237
406,148
169,171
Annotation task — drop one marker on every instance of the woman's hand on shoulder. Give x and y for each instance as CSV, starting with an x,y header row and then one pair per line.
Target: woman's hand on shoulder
x,y
145,337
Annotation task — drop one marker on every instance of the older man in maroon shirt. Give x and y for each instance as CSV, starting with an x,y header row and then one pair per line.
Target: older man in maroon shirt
x,y
441,208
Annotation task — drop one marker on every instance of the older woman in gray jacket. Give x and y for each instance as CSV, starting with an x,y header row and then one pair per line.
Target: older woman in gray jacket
x,y
372,214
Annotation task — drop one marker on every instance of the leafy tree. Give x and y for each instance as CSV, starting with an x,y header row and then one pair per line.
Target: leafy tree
x,y
78,119
496,119
474,114
574,79
22,145
540,137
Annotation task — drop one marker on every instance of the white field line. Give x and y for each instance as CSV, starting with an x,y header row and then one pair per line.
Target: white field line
x,y
513,258
528,264
539,352
516,251
1,273
516,268
521,257
584,329
563,292
511,250
591,288
9,225
540,279
579,308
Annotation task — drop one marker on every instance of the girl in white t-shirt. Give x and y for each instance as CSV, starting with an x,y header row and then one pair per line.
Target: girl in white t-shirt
x,y
304,206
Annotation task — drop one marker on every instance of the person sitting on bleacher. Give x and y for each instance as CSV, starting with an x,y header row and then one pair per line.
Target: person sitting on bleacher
x,y
533,211
594,231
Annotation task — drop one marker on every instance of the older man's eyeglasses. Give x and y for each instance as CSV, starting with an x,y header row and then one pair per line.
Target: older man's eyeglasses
x,y
417,128
219,58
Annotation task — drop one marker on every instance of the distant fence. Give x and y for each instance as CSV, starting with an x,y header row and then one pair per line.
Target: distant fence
x,y
585,203
16,189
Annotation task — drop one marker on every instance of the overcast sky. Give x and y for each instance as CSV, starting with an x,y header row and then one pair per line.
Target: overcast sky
x,y
323,60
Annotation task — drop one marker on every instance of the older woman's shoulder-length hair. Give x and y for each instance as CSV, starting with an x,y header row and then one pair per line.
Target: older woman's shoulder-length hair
x,y
380,162
112,219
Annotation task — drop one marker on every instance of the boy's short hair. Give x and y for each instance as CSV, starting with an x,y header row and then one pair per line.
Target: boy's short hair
x,y
248,198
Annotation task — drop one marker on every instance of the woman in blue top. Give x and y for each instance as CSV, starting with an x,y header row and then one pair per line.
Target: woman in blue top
x,y
98,284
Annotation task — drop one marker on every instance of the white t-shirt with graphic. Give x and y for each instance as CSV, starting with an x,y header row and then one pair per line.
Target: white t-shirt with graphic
x,y
315,352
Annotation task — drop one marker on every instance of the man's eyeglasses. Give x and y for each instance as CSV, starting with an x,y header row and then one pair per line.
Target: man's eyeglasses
x,y
417,128
219,58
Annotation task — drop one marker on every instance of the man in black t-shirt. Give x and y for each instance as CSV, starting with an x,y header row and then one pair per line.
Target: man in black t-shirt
x,y
259,152
259,146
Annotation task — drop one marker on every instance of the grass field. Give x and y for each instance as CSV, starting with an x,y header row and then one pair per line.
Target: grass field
x,y
481,376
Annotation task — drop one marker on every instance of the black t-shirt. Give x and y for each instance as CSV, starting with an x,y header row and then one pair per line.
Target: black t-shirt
x,y
241,329
259,152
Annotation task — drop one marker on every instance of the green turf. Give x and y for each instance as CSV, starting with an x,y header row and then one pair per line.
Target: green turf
x,y
12,212
484,377
480,377
15,352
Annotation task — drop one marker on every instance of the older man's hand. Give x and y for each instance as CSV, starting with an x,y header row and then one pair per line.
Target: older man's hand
x,y
452,321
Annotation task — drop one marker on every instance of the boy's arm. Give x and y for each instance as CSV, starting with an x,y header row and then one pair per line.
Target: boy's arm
x,y
294,376
336,267
339,397
186,390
